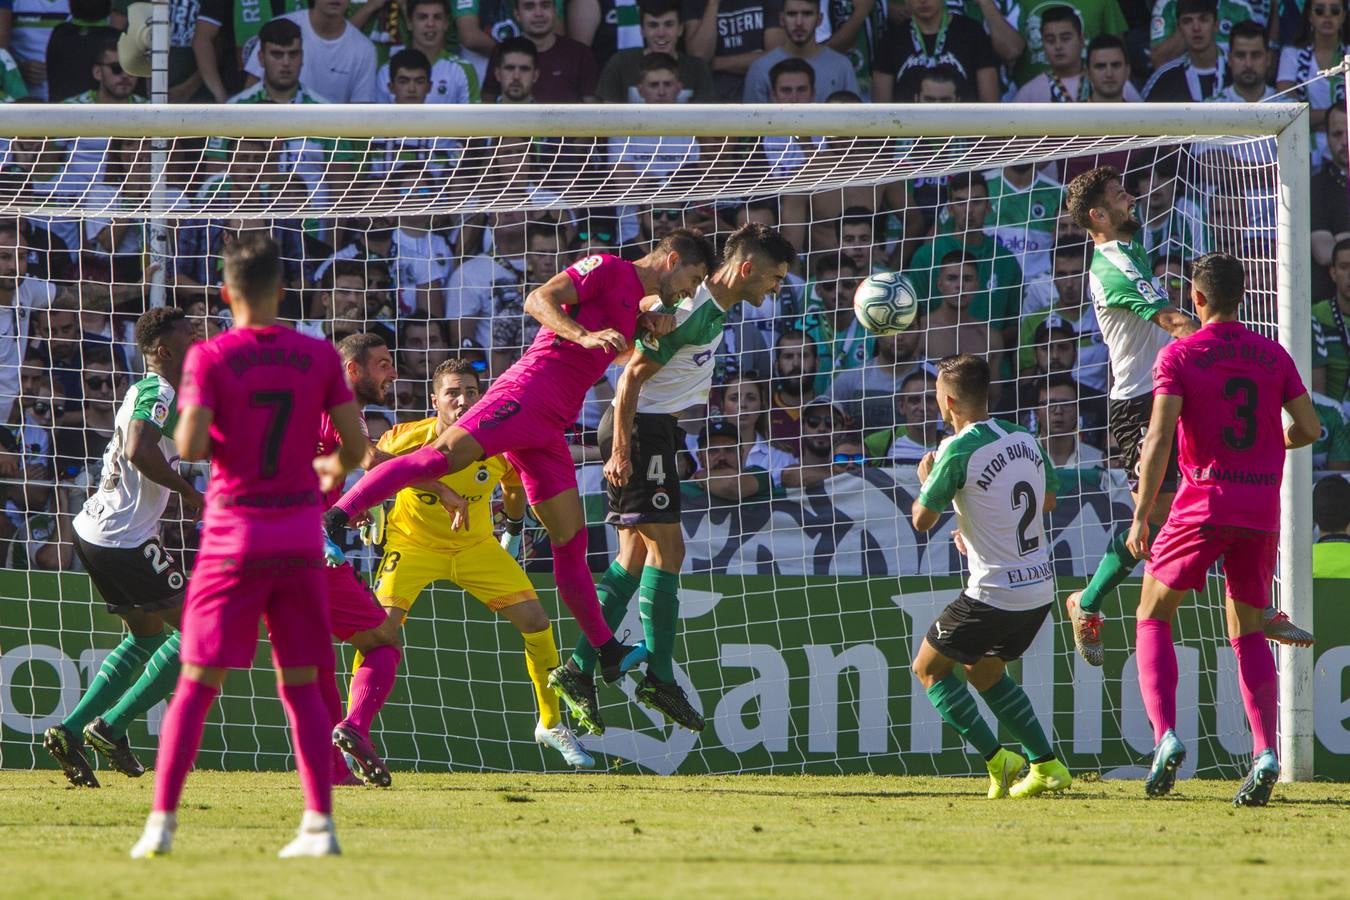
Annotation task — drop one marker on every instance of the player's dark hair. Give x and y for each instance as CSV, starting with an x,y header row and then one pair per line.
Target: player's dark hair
x,y
153,325
356,347
658,8
754,239
1052,14
1331,504
455,365
658,62
409,59
691,246
252,266
1222,279
1107,42
789,66
967,376
1088,192
521,45
281,32
1248,30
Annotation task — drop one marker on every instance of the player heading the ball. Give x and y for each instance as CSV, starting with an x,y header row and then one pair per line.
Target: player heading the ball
x,y
251,402
589,313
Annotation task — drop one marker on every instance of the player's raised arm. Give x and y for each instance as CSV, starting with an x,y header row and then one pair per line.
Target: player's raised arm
x,y
640,369
545,304
1162,427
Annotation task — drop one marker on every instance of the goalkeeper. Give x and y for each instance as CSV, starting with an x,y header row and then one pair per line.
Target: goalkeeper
x,y
421,547
641,437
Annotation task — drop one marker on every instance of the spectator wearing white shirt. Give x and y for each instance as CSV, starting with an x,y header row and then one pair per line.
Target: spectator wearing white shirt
x,y
833,71
485,297
20,295
1066,80
339,60
421,265
453,78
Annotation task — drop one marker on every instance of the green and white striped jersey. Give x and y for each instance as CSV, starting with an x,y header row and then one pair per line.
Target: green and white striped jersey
x,y
686,356
126,509
998,477
1333,445
1126,300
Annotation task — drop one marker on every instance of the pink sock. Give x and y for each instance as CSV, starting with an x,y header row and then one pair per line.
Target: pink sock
x,y
1157,660
310,736
332,701
371,686
1260,688
179,739
392,476
577,588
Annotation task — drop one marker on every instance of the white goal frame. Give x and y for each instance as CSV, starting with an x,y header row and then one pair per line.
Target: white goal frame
x,y
1286,123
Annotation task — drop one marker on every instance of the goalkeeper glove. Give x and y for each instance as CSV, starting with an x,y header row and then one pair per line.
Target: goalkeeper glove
x,y
372,532
332,553
511,536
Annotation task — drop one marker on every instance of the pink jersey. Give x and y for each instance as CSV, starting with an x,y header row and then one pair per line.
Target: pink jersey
x,y
266,389
1233,383
561,372
329,442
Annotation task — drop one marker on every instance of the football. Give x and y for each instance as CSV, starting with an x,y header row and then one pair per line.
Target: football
x,y
885,303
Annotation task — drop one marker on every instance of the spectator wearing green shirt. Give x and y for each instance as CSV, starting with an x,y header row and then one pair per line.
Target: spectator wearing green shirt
x,y
1331,451
1098,17
1024,203
11,79
1331,331
1331,511
828,320
1168,42
996,289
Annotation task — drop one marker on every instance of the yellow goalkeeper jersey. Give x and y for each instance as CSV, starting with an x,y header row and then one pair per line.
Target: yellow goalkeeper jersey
x,y
419,517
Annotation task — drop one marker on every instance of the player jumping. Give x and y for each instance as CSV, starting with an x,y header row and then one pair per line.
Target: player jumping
x,y
1001,483
117,540
640,436
1220,393
1136,322
251,401
589,313
421,546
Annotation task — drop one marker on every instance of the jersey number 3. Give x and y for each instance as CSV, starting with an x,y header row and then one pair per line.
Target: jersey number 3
x,y
1245,412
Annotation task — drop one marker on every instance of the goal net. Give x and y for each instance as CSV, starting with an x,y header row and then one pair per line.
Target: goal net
x,y
802,601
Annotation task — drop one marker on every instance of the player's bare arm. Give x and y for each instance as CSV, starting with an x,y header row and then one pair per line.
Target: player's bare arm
x,y
1175,322
1305,428
193,435
142,449
352,448
1152,467
545,304
640,368
924,518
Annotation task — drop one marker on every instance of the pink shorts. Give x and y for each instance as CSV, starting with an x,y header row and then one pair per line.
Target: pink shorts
x,y
531,439
1183,554
351,606
227,596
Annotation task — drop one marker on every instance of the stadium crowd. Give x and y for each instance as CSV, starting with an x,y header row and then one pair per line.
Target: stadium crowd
x,y
803,394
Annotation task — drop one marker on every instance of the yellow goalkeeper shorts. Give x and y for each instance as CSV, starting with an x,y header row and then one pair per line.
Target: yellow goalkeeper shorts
x,y
484,569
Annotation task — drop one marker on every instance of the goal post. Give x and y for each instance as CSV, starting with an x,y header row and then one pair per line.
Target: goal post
x,y
842,146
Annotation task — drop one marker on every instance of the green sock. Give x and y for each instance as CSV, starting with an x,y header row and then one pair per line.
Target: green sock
x,y
1012,706
1114,568
659,606
116,674
953,701
155,683
616,589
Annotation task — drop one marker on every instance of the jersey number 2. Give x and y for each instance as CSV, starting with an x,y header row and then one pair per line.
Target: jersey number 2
x,y
1023,495
280,402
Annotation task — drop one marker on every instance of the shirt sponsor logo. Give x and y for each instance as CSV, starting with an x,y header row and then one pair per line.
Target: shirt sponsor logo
x,y
588,265
159,414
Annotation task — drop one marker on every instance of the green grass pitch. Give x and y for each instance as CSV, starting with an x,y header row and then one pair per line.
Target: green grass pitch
x,y
613,836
